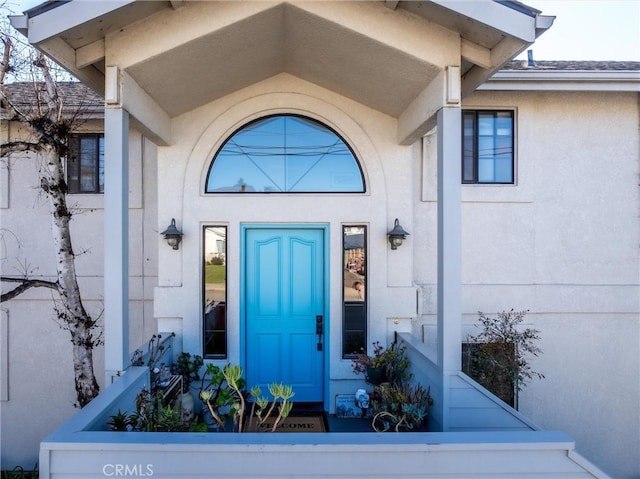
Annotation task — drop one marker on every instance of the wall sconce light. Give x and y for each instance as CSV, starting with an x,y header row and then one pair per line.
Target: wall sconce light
x,y
397,235
173,235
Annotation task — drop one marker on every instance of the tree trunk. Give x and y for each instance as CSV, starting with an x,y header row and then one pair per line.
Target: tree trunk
x,y
86,385
51,129
72,313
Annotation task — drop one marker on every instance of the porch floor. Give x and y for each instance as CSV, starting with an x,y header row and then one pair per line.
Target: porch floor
x,y
348,424
332,422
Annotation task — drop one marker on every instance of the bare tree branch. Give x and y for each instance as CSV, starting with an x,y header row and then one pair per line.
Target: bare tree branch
x,y
24,285
18,146
52,98
4,66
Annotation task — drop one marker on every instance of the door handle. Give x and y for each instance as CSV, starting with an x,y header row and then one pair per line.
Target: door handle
x,y
319,330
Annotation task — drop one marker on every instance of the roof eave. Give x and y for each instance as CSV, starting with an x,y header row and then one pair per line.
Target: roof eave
x,y
532,24
513,22
564,80
65,16
20,23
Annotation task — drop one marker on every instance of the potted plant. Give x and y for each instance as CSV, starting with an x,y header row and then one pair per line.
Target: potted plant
x,y
386,365
231,407
153,412
189,368
400,407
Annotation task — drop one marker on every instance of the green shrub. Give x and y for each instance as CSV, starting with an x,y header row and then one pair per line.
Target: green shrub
x,y
19,472
498,357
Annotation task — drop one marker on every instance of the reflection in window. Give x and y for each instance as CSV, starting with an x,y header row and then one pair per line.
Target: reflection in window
x,y
487,147
215,292
354,274
285,154
85,163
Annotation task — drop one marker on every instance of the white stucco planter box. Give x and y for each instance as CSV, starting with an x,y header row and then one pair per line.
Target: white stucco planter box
x,y
83,448
256,455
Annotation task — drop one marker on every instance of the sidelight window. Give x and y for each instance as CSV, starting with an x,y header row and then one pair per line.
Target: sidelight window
x,y
215,292
354,282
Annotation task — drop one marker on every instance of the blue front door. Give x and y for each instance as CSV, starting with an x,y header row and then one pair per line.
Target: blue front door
x,y
284,308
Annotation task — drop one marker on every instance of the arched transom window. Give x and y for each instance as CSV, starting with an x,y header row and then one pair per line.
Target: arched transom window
x,y
285,154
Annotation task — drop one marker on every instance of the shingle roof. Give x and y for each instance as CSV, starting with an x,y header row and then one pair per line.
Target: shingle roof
x,y
78,96
75,94
569,65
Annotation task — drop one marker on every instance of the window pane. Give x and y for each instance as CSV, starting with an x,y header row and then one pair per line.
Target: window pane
x,y
354,320
468,147
486,171
88,164
284,154
503,170
352,341
73,165
485,124
487,141
504,123
101,164
215,292
486,152
85,163
504,160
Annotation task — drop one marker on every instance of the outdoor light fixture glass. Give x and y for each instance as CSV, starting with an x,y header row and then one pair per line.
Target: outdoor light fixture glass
x,y
397,235
173,235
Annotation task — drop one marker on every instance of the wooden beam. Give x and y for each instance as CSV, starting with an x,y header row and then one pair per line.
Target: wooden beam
x,y
90,54
500,54
476,54
420,116
65,56
146,114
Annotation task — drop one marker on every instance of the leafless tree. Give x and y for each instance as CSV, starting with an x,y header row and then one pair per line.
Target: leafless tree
x,y
49,123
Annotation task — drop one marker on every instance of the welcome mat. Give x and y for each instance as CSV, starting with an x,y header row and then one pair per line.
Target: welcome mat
x,y
313,423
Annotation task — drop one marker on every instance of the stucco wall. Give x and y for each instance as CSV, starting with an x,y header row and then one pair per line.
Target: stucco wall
x,y
38,372
562,243
182,172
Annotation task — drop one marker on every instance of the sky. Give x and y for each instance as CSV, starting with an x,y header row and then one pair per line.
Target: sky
x,y
589,30
583,29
